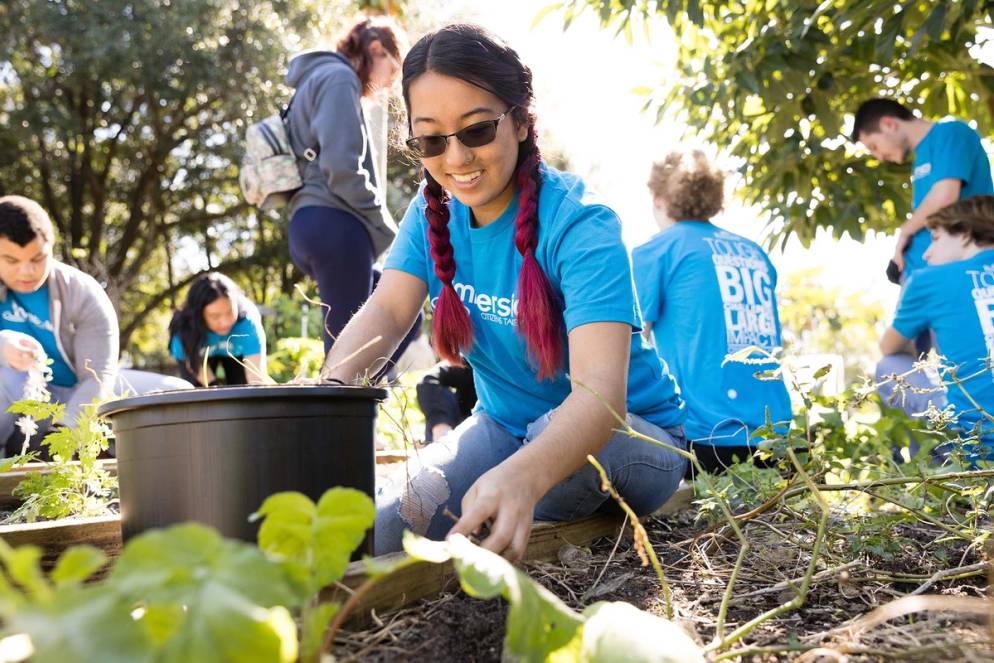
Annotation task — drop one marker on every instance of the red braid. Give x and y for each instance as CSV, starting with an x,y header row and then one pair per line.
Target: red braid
x,y
540,317
452,331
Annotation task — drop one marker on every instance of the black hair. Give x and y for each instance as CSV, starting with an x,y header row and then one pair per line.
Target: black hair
x,y
22,220
469,53
188,322
871,111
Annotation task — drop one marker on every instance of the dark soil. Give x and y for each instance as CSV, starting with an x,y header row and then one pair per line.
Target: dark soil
x,y
453,627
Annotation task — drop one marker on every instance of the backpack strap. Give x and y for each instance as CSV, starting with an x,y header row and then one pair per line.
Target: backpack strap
x,y
310,154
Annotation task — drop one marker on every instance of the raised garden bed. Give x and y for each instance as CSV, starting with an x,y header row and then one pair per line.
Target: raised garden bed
x,y
54,536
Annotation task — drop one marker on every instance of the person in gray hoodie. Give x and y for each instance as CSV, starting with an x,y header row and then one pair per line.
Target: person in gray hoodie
x,y
55,320
339,222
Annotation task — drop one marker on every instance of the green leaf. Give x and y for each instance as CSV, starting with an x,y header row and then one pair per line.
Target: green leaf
x,y
426,550
160,621
618,632
223,628
24,567
233,596
161,565
20,460
543,12
932,26
83,625
38,410
76,565
318,538
314,623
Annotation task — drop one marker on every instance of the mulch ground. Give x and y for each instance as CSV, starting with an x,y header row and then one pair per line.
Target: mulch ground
x,y
454,627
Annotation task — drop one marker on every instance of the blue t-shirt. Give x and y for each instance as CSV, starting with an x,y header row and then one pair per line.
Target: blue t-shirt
x,y
709,293
956,301
28,313
950,150
246,338
581,252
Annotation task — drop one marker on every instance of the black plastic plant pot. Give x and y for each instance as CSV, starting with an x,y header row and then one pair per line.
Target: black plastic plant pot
x,y
214,455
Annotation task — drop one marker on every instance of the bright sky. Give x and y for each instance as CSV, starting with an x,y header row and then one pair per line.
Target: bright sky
x,y
585,79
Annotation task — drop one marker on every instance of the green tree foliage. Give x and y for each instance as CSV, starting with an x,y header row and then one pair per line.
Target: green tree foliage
x,y
124,119
772,81
819,318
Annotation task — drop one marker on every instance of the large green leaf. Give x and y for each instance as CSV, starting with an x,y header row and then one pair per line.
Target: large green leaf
x,y
76,565
318,538
82,626
232,596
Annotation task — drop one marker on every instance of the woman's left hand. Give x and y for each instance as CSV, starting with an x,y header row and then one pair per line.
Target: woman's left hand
x,y
504,498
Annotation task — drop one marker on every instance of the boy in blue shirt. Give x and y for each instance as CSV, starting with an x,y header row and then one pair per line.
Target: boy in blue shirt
x,y
949,164
52,311
954,298
706,293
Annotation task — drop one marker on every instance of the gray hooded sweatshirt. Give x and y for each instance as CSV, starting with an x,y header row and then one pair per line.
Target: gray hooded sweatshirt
x,y
326,116
86,330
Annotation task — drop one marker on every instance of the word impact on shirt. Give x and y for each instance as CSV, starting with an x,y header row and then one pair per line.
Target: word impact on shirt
x,y
746,293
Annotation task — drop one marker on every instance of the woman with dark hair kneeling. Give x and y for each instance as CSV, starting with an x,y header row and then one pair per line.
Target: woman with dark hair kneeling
x,y
218,330
530,282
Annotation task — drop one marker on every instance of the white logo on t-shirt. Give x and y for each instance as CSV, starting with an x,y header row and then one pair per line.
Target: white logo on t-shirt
x,y
746,292
492,308
983,299
922,171
18,314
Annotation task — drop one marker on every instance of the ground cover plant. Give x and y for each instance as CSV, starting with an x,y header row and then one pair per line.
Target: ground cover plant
x,y
74,483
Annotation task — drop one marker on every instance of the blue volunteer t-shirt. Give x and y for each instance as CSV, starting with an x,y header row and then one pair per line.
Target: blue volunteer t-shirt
x,y
581,252
709,293
950,150
243,340
956,301
28,313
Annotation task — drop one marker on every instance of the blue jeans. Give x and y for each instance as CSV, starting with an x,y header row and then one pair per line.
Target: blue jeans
x,y
925,389
645,475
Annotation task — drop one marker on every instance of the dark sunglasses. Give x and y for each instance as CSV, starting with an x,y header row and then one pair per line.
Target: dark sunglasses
x,y
475,135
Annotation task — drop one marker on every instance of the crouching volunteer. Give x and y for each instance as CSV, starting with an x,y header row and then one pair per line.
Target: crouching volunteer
x,y
530,281
217,337
51,311
954,298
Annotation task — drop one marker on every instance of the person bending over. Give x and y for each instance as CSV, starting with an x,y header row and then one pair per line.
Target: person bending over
x,y
217,336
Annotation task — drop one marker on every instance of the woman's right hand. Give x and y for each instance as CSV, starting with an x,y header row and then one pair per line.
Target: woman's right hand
x,y
21,351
